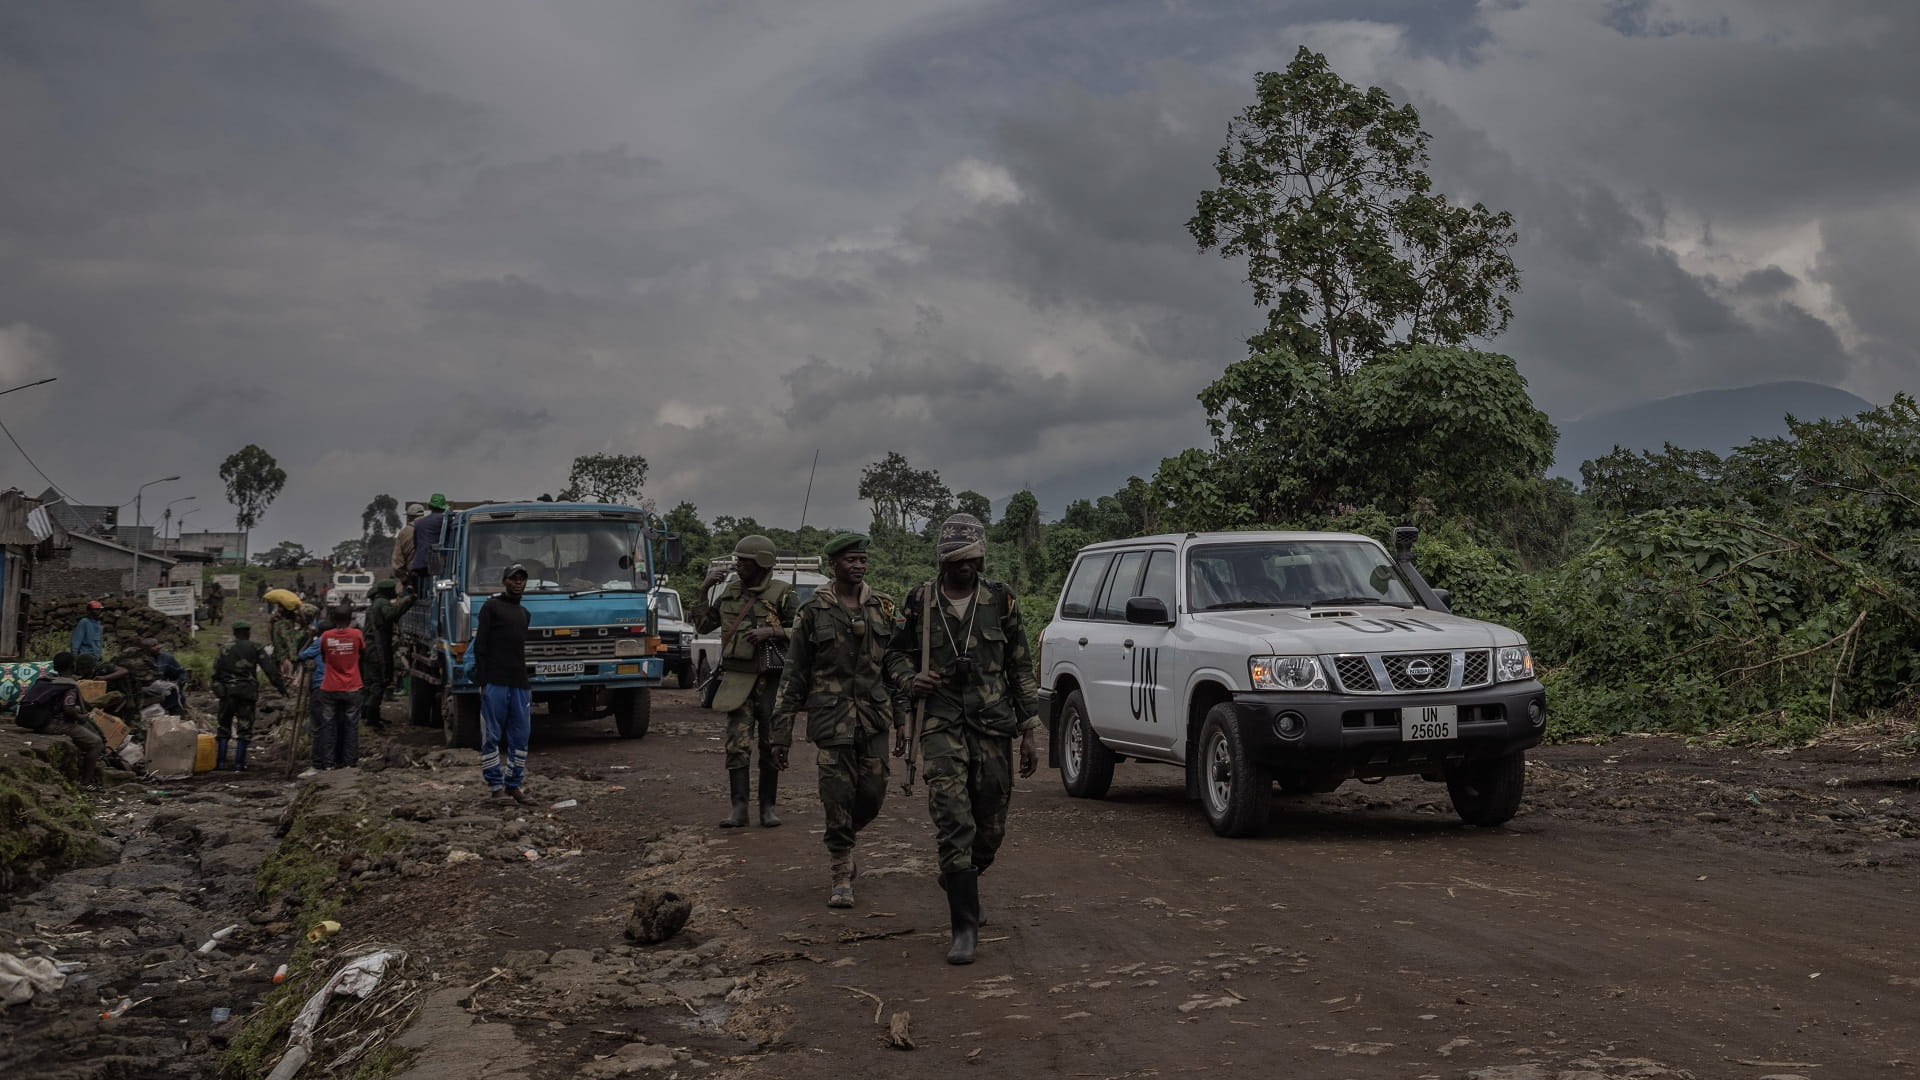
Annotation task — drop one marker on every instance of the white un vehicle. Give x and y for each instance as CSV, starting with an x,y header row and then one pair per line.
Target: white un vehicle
x,y
1252,659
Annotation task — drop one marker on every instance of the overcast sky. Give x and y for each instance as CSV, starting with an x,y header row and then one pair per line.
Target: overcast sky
x,y
446,245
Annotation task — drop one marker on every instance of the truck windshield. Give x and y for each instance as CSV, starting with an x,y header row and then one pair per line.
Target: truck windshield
x,y
560,556
667,603
1291,573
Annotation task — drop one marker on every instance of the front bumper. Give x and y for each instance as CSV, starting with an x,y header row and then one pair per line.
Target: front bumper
x,y
1360,736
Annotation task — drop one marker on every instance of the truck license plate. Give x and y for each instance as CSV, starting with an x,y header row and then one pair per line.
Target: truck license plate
x,y
1430,723
561,667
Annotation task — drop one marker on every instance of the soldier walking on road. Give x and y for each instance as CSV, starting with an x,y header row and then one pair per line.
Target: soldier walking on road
x,y
836,674
754,610
236,682
383,618
216,604
963,652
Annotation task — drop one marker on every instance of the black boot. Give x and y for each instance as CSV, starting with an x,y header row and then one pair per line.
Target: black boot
x,y
219,753
737,781
240,755
769,792
963,908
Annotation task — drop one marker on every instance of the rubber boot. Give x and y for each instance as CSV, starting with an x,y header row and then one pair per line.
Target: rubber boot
x,y
737,782
842,894
963,909
219,753
240,755
769,792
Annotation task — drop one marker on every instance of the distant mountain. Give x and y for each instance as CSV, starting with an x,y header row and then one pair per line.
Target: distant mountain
x,y
1716,420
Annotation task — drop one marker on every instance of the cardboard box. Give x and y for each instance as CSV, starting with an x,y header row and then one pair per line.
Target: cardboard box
x,y
92,690
111,729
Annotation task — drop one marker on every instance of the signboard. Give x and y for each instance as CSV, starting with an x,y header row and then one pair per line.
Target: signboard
x,y
177,600
229,583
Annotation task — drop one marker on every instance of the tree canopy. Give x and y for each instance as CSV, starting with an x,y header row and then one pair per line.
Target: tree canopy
x,y
607,478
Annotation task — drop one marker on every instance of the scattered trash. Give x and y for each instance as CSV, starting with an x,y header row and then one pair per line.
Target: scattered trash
x,y
360,977
458,856
221,1015
218,936
322,930
530,854
280,975
121,1009
564,804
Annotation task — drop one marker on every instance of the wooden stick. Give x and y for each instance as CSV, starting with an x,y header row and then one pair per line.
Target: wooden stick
x,y
879,1006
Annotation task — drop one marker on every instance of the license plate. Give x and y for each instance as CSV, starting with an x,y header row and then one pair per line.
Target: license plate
x,y
1430,723
561,667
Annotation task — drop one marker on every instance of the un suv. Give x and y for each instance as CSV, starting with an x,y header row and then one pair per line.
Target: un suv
x,y
1296,659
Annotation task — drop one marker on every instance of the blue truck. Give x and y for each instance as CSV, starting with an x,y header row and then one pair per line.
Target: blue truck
x,y
593,646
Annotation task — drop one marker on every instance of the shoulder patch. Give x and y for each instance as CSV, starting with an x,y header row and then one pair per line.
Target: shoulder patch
x,y
886,604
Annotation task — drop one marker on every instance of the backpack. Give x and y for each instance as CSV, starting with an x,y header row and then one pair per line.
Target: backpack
x,y
40,705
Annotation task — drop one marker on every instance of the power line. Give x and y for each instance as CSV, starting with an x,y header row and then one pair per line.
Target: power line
x,y
36,468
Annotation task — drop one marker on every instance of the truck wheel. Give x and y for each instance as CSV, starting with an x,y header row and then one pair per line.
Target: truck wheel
x,y
462,730
423,702
1487,793
632,712
701,671
1235,790
686,675
1086,765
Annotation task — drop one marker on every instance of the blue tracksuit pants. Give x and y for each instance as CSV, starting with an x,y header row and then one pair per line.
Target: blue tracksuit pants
x,y
506,719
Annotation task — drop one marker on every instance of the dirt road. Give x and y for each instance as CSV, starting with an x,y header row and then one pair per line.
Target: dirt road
x,y
1656,910
1657,907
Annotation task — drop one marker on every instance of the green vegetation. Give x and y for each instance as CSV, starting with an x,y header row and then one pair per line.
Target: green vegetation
x,y
44,817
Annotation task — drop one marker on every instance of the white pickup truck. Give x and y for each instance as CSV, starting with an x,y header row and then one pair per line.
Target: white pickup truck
x,y
350,589
1303,659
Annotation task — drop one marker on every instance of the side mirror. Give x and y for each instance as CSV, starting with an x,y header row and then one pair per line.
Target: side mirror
x,y
676,551
443,585
1446,597
1148,611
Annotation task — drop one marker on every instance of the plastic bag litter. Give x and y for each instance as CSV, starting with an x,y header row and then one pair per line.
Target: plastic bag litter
x,y
22,978
358,978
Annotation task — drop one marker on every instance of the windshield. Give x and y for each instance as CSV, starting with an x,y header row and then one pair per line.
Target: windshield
x,y
667,603
560,556
1291,573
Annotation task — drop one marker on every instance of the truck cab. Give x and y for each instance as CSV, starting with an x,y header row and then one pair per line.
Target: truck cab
x,y
593,642
1303,660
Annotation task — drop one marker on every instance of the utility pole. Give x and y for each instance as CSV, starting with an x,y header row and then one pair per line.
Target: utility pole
x,y
138,492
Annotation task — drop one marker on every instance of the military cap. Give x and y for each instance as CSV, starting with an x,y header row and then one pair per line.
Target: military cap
x,y
241,624
758,548
414,510
848,541
386,585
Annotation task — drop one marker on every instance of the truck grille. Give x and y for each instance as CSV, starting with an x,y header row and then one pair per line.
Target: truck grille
x,y
1412,673
569,650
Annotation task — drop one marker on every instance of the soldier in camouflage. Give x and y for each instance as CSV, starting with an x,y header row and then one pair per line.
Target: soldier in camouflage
x,y
753,609
977,688
836,675
140,668
376,663
236,682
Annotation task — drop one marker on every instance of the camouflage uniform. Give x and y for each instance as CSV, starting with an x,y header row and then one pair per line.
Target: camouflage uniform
x,y
236,679
376,663
969,719
746,695
142,671
966,738
835,674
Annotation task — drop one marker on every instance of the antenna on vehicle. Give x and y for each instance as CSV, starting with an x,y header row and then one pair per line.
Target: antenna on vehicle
x,y
804,503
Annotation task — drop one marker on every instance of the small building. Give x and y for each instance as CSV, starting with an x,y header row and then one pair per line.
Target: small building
x,y
21,534
78,565
226,547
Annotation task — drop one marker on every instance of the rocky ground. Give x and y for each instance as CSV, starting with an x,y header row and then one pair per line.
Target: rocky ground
x,y
1658,910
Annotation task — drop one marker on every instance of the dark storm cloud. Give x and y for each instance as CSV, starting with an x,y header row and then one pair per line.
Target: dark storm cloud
x,y
445,245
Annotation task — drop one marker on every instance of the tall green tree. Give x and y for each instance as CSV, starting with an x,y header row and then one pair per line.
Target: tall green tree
x,y
379,524
253,481
607,478
1324,192
903,498
972,502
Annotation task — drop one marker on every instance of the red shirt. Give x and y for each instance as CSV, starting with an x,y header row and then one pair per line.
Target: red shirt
x,y
340,650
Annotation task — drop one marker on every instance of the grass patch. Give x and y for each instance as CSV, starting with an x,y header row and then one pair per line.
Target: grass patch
x,y
46,821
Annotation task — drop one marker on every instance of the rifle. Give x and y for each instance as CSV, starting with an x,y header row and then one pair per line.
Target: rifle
x,y
920,703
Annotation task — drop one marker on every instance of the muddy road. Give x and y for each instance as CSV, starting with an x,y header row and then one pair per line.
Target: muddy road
x,y
1655,910
1656,907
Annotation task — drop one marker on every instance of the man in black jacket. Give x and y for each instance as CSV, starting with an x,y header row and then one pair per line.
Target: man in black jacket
x,y
506,694
53,705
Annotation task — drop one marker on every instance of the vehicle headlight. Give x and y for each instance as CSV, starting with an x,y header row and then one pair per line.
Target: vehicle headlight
x,y
1515,662
628,647
1286,673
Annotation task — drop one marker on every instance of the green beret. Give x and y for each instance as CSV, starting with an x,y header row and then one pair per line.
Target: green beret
x,y
847,542
241,624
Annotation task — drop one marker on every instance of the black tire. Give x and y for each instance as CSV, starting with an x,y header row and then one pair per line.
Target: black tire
x,y
462,730
632,712
1086,765
423,702
701,671
1487,793
685,675
1235,791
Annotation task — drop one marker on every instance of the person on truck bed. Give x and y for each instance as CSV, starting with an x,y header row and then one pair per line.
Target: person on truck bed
x,y
506,694
402,559
426,536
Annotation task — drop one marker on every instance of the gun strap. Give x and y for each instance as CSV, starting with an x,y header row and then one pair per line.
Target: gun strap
x,y
927,612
